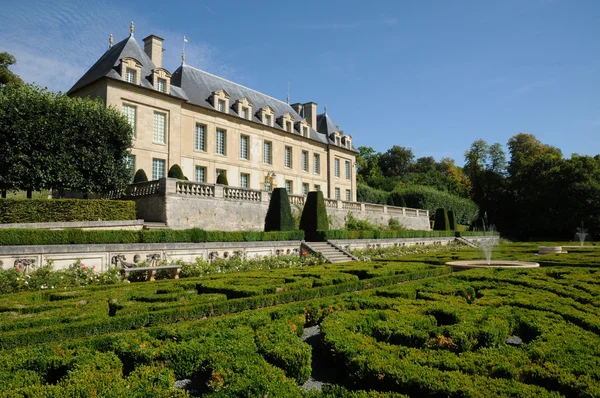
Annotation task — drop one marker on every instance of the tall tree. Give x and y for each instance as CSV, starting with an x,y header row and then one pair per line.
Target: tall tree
x,y
6,76
396,161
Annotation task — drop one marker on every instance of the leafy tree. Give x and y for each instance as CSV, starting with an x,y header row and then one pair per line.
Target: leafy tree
x,y
279,216
176,172
367,161
140,176
396,161
53,141
7,77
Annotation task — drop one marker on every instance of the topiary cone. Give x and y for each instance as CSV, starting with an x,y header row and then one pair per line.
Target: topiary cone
x,y
140,176
314,215
279,216
176,172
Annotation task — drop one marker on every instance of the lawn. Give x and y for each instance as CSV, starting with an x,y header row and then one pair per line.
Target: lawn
x,y
399,325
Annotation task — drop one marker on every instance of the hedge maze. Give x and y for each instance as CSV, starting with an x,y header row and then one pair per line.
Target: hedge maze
x,y
396,327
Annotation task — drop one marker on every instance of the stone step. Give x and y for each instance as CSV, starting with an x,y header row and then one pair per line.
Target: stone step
x,y
155,225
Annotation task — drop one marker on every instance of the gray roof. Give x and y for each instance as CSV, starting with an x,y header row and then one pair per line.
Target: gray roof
x,y
109,64
200,85
196,87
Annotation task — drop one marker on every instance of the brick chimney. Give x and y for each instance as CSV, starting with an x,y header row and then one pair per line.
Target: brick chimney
x,y
154,49
310,114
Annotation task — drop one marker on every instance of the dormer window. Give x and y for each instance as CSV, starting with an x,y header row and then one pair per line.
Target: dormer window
x,y
266,115
286,122
220,100
337,141
304,131
161,85
243,107
131,69
347,141
131,76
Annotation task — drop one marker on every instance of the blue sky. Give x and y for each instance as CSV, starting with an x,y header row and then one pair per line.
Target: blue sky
x,y
431,75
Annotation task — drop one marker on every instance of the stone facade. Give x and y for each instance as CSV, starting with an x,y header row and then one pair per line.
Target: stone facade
x,y
166,118
183,204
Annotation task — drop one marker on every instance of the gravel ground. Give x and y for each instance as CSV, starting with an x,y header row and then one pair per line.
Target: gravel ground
x,y
310,332
312,384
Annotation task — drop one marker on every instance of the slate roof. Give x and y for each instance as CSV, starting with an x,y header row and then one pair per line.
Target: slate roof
x,y
196,87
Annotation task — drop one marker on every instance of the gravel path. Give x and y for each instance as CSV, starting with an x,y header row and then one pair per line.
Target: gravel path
x,y
311,332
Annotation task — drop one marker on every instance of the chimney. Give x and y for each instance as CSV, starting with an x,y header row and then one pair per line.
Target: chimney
x,y
310,113
297,107
153,48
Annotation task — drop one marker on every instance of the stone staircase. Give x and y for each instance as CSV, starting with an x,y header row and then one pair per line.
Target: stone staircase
x,y
331,252
155,225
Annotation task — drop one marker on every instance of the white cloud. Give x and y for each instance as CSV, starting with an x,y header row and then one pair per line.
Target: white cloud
x,y
55,43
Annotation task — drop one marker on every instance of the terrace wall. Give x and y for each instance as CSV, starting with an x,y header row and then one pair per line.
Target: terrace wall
x,y
185,204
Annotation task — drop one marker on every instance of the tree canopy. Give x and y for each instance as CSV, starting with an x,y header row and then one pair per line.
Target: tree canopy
x,y
7,77
51,141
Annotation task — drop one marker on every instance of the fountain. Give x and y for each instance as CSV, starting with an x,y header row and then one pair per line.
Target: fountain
x,y
581,234
487,243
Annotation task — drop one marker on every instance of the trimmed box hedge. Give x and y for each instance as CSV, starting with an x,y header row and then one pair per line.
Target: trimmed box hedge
x,y
64,210
23,236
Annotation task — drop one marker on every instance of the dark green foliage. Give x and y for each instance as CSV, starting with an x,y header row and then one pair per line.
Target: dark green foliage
x,y
23,236
64,210
396,199
441,220
222,179
422,197
176,172
314,215
140,176
451,221
279,216
52,141
366,194
379,234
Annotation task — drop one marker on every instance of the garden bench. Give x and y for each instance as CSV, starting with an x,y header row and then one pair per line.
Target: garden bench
x,y
126,268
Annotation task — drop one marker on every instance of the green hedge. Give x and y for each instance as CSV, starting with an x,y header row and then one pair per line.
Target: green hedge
x,y
64,210
345,234
23,236
279,216
422,197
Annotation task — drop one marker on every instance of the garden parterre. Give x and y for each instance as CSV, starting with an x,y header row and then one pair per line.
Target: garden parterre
x,y
239,334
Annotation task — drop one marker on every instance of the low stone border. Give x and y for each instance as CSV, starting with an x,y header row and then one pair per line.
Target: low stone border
x,y
86,225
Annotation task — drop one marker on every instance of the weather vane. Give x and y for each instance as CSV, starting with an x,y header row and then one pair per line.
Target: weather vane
x,y
183,51
110,41
131,28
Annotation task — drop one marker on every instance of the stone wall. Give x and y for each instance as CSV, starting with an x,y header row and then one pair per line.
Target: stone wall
x,y
185,204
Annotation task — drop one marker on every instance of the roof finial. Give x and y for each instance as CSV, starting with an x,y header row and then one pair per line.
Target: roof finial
x,y
326,109
110,41
131,29
183,51
288,96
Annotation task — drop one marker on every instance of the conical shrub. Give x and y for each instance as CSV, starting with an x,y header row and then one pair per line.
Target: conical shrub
x,y
452,221
140,176
222,179
314,215
441,220
176,172
279,216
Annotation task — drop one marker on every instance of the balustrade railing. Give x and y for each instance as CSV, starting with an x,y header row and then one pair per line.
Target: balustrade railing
x,y
331,203
143,189
195,189
297,200
411,212
351,206
251,195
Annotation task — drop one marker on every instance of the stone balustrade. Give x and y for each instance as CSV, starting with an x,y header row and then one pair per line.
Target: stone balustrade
x,y
174,202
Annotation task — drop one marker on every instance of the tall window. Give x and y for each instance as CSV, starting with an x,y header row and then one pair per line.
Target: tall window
x,y
317,188
337,194
268,120
158,169
289,186
200,138
337,141
244,180
317,163
287,161
221,106
336,167
221,141
304,131
131,76
268,152
348,195
130,113
160,127
200,174
244,144
304,161
304,188
347,170
288,126
161,85
268,186
244,112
